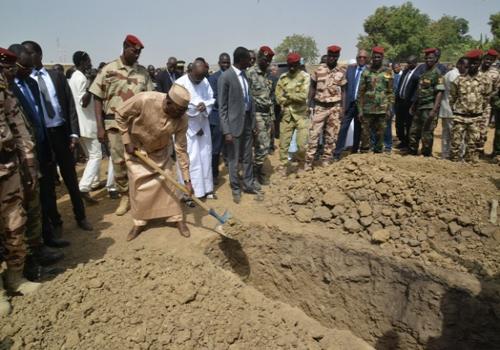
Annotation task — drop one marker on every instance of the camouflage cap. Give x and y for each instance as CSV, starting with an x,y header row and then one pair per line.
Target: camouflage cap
x,y
179,94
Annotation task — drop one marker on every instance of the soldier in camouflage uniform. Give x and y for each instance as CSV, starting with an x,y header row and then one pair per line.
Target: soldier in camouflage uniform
x,y
469,97
375,100
261,91
492,72
327,97
13,150
291,94
426,107
115,83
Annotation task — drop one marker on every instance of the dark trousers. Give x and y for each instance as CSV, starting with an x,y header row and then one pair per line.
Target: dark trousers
x,y
403,121
48,201
60,142
350,114
217,141
241,147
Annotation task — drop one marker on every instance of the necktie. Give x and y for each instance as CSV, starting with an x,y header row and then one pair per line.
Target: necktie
x,y
402,91
44,92
245,88
356,79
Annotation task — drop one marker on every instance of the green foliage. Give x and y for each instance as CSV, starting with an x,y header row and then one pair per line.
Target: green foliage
x,y
304,45
404,30
495,30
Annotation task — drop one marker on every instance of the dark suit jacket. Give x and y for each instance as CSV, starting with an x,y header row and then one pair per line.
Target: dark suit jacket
x,y
351,84
163,81
213,117
411,87
66,101
44,152
232,104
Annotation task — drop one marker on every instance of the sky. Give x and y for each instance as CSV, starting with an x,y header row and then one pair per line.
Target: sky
x,y
188,29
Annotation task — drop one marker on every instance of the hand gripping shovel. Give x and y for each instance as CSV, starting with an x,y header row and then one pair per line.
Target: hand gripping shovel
x,y
222,219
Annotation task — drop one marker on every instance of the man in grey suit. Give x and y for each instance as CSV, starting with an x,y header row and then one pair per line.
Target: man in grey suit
x,y
237,119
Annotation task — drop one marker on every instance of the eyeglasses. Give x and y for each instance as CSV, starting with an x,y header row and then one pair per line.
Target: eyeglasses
x,y
362,57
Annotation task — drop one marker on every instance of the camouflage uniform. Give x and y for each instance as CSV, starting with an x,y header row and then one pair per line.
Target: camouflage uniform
x,y
115,84
261,91
494,75
430,84
375,98
327,110
12,214
469,97
291,95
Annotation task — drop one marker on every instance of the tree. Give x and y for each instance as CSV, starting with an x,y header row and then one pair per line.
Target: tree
x,y
404,30
304,45
495,30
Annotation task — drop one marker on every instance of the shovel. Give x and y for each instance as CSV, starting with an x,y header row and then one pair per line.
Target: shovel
x,y
222,219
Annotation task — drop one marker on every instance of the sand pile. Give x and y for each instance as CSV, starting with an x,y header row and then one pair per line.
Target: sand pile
x,y
428,209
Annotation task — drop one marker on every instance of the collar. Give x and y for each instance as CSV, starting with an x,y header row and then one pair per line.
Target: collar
x,y
42,70
236,70
122,65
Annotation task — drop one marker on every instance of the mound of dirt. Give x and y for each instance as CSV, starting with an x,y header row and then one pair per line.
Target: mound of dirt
x,y
427,209
152,300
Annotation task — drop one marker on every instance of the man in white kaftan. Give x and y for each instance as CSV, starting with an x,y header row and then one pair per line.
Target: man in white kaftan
x,y
199,141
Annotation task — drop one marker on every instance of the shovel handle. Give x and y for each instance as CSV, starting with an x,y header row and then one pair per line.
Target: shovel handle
x,y
169,178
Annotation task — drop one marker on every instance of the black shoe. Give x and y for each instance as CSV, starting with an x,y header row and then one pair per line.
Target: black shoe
x,y
56,243
84,225
251,190
237,198
336,158
114,194
46,256
88,198
34,271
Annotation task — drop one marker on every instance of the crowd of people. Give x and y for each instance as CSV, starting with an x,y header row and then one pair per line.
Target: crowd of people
x,y
185,121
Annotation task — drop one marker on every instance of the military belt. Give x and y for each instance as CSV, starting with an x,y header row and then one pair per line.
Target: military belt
x,y
325,104
7,156
469,115
260,109
109,117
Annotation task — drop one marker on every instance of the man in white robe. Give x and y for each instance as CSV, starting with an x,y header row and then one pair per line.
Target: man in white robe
x,y
199,141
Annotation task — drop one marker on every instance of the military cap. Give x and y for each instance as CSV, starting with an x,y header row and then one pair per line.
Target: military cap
x,y
293,57
180,63
430,50
474,54
133,40
378,49
179,94
333,49
492,52
7,57
266,51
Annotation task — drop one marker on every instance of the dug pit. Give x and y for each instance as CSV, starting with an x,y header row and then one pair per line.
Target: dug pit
x,y
390,302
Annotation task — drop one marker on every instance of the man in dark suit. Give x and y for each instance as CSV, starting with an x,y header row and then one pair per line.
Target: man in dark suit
x,y
213,118
166,78
405,95
237,120
62,125
38,254
353,75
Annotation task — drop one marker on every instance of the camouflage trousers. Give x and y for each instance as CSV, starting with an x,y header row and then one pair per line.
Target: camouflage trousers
x,y
262,139
12,219
465,129
326,121
288,125
422,128
117,151
483,123
376,124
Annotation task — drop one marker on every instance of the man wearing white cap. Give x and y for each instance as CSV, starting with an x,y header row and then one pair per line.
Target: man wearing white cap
x,y
147,123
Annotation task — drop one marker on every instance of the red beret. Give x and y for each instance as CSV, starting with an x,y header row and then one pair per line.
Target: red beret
x,y
266,51
133,40
333,49
430,50
7,57
474,54
293,57
378,49
492,52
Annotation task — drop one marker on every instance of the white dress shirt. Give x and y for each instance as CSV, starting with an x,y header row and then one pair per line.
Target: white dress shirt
x,y
58,119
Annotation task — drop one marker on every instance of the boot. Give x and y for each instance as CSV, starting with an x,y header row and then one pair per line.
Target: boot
x,y
17,283
261,177
5,307
124,205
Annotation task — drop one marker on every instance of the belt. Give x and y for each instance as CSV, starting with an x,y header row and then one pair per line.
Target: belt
x,y
325,104
261,109
7,156
469,115
109,117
